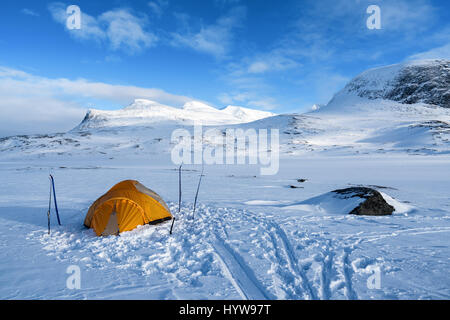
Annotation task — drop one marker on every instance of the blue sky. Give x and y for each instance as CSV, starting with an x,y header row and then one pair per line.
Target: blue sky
x,y
282,56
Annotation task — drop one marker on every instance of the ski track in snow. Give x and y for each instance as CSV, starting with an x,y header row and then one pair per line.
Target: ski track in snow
x,y
278,236
209,247
273,251
239,274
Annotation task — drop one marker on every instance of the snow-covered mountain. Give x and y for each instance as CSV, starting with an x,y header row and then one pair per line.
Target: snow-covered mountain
x,y
423,81
284,236
400,108
145,112
395,109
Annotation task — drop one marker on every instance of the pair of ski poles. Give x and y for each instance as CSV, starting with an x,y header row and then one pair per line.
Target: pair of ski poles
x,y
179,196
52,190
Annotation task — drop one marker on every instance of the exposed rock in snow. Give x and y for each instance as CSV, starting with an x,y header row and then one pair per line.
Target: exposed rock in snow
x,y
354,200
425,81
373,203
358,120
231,251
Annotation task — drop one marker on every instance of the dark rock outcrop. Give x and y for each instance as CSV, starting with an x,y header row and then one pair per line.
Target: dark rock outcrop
x,y
421,81
373,205
427,83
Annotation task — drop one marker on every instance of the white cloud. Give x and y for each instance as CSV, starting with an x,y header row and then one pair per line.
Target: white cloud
x,y
264,103
24,115
126,31
215,39
256,92
408,16
30,12
349,16
325,84
33,104
322,35
222,3
434,46
120,29
274,61
442,52
90,27
258,66
249,99
158,6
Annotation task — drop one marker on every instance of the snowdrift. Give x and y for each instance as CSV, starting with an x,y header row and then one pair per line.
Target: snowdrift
x,y
355,200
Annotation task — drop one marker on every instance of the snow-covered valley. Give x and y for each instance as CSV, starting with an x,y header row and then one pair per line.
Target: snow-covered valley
x,y
253,236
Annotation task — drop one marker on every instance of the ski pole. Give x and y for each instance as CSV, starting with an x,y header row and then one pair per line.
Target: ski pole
x,y
179,197
54,198
49,207
196,194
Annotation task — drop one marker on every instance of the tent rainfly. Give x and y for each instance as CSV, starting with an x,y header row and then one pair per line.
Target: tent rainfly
x,y
124,207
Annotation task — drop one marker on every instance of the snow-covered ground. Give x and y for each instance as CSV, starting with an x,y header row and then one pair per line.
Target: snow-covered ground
x,y
248,239
253,236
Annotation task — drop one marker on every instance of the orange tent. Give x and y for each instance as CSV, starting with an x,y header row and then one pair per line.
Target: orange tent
x,y
124,207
